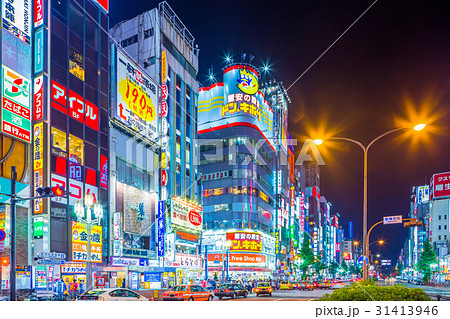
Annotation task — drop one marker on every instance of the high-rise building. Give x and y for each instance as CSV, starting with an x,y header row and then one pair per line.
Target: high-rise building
x,y
165,49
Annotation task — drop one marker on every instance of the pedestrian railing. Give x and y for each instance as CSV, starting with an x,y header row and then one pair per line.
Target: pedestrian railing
x,y
439,297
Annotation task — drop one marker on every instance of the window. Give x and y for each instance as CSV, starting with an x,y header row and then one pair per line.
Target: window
x,y
59,139
129,41
148,33
445,237
445,216
445,226
76,150
439,217
116,293
439,237
439,227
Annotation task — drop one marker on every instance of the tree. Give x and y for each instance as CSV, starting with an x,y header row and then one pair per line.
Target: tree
x,y
319,266
333,268
216,278
306,255
344,267
355,270
426,258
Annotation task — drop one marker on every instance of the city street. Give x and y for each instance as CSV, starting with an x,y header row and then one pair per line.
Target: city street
x,y
284,295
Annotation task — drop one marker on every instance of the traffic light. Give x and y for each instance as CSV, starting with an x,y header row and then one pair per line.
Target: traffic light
x,y
55,191
5,261
413,223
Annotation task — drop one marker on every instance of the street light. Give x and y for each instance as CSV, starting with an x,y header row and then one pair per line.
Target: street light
x,y
225,244
98,213
365,149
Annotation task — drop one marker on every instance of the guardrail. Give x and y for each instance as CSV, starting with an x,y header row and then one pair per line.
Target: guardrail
x,y
439,297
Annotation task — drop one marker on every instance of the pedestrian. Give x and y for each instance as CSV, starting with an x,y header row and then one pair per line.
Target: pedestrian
x,y
81,287
74,288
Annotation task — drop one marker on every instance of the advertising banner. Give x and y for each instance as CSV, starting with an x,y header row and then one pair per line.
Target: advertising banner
x,y
170,248
38,164
235,102
16,54
187,261
137,98
38,13
160,228
79,241
423,194
245,241
137,209
117,227
17,17
96,244
238,259
38,100
103,171
38,227
73,268
186,215
440,185
16,99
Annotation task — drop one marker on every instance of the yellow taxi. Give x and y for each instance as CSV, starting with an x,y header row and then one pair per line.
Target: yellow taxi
x,y
188,293
285,285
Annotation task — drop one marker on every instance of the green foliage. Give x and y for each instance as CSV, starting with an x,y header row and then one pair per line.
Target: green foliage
x,y
354,269
216,277
333,268
306,254
426,258
367,291
344,267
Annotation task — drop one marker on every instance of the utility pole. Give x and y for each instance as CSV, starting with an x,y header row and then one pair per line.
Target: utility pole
x,y
12,271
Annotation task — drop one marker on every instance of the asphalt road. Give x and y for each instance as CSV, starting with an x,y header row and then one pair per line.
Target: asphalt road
x,y
284,295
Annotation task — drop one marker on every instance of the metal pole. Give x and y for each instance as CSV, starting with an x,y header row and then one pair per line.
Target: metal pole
x,y
223,265
228,264
365,216
89,284
12,272
206,263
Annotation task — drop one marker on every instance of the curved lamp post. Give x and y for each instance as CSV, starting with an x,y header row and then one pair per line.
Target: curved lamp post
x,y
365,149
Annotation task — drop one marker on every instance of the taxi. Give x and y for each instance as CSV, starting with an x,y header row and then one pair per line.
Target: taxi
x,y
285,285
263,288
188,293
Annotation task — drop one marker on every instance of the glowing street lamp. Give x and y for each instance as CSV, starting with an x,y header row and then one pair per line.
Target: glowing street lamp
x,y
417,127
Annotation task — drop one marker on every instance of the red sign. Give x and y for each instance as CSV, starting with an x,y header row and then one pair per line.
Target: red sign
x,y
440,185
16,131
195,218
239,258
163,108
104,4
101,281
16,108
59,93
91,119
76,106
164,91
163,177
38,98
245,241
38,13
103,171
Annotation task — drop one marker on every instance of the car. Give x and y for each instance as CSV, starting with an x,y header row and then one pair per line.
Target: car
x,y
112,294
188,293
315,284
285,285
304,285
295,285
230,290
263,288
325,285
40,296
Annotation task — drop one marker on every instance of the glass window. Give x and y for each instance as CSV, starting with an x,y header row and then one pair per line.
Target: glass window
x,y
76,150
76,20
59,139
59,50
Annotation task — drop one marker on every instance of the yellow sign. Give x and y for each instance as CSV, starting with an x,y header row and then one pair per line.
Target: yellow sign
x,y
263,196
247,82
163,160
38,164
96,244
163,67
137,100
79,242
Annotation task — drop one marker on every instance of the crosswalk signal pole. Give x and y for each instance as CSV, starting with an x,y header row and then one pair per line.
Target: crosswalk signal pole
x,y
12,265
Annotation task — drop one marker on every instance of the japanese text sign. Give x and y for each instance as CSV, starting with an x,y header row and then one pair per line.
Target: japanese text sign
x,y
440,185
245,241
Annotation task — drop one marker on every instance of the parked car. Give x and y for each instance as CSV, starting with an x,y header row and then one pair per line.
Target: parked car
x,y
263,288
112,294
188,293
325,285
230,290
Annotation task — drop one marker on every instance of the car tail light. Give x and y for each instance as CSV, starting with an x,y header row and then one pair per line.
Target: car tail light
x,y
227,290
216,290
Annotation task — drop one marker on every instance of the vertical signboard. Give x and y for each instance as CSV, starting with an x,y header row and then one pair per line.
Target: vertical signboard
x,y
38,164
79,242
160,228
16,114
39,51
38,13
38,98
116,234
96,244
38,227
350,230
17,17
16,54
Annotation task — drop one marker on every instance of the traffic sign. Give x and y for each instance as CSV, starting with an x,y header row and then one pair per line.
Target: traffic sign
x,y
361,260
392,219
2,247
51,262
371,267
2,235
51,255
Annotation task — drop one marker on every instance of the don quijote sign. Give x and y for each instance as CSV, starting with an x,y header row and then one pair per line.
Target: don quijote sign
x,y
186,215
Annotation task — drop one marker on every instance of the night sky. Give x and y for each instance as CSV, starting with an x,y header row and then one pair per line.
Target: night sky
x,y
391,68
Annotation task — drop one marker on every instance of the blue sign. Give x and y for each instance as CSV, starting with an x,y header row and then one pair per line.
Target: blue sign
x,y
361,260
160,228
39,51
350,230
152,277
16,54
2,235
134,280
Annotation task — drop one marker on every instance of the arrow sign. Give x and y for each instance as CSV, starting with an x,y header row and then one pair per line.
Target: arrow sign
x,y
392,219
361,260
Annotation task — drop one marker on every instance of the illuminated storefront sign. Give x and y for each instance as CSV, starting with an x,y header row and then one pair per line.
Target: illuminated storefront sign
x,y
96,244
245,241
186,215
423,195
38,104
75,189
160,228
16,113
138,208
237,101
103,171
440,185
170,248
186,236
38,164
38,227
187,261
17,17
238,259
163,67
136,98
38,13
79,241
73,268
76,64
117,226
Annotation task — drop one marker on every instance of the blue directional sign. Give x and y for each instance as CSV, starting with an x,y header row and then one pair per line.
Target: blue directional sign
x,y
392,219
361,260
2,235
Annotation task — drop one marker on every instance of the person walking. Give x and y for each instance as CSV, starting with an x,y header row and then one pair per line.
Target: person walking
x,y
74,289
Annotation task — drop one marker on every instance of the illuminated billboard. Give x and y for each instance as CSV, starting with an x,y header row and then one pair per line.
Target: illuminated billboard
x,y
17,18
235,102
422,194
440,185
186,215
137,98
